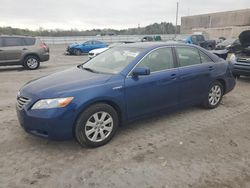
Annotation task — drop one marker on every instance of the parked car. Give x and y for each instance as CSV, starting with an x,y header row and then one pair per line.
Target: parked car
x,y
78,49
226,44
89,102
96,52
199,40
241,55
151,38
22,50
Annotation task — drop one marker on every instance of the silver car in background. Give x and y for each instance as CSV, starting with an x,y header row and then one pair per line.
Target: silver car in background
x,y
22,50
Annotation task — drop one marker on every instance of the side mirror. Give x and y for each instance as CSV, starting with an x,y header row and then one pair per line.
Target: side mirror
x,y
140,71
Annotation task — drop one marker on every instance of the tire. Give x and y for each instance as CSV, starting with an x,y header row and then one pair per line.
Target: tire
x,y
236,76
77,52
91,127
31,62
214,96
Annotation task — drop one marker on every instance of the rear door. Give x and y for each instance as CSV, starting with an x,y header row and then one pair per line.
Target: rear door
x,y
13,48
159,90
195,70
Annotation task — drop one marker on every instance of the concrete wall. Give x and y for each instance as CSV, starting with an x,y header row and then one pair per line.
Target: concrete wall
x,y
228,24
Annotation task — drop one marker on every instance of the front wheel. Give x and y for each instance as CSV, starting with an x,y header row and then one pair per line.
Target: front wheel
x,y
214,95
96,125
77,52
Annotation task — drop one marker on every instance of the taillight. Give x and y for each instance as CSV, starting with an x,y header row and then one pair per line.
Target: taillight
x,y
43,45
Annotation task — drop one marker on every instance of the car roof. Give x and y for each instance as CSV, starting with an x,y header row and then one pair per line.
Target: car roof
x,y
152,45
21,36
149,45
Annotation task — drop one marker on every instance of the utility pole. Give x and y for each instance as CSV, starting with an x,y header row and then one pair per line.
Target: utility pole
x,y
177,11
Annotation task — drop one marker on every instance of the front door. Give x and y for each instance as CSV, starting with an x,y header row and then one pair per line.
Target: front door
x,y
13,48
159,90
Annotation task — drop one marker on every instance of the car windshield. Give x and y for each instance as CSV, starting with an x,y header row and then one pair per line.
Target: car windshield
x,y
112,61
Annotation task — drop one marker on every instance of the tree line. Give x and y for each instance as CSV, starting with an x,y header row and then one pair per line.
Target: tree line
x,y
156,28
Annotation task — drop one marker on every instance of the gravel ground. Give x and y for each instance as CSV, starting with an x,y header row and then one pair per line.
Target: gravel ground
x,y
190,148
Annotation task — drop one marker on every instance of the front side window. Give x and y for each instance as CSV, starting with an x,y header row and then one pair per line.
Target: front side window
x,y
88,43
158,60
113,60
13,41
205,58
188,56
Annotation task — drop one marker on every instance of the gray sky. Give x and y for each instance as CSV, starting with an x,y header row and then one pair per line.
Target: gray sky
x,y
117,14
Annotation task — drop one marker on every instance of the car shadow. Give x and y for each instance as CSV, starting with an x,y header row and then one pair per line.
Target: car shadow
x,y
133,126
18,68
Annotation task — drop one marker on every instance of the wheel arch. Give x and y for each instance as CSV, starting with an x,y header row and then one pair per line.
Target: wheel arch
x,y
30,54
106,101
223,83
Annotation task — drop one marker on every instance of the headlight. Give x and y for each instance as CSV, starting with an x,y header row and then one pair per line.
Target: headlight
x,y
232,57
52,103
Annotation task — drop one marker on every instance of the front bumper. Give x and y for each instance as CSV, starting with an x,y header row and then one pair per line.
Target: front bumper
x,y
55,124
70,50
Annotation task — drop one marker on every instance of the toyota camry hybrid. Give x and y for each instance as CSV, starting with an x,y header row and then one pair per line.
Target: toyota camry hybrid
x,y
89,102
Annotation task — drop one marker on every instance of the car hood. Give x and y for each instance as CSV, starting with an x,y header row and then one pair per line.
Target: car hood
x,y
245,38
99,50
62,83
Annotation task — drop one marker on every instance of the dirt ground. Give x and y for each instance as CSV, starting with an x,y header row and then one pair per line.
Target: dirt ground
x,y
192,148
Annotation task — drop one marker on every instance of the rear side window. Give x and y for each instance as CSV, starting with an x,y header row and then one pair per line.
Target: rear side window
x,y
13,41
160,59
29,41
188,56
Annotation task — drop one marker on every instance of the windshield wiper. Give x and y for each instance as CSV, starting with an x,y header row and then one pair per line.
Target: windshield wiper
x,y
89,69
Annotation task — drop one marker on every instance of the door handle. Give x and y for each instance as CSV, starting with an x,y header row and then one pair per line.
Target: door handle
x,y
173,76
25,49
211,68
1,50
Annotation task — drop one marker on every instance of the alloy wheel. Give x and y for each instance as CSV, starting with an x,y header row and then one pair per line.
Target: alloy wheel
x,y
214,95
32,63
99,126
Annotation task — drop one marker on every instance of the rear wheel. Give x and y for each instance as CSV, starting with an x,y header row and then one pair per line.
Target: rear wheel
x,y
96,125
214,95
31,62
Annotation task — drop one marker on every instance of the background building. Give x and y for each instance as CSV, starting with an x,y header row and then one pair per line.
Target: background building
x,y
227,24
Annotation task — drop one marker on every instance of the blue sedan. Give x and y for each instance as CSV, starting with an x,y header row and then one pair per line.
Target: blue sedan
x,y
78,49
90,101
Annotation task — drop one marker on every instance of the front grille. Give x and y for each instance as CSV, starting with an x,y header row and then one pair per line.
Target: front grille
x,y
244,60
21,102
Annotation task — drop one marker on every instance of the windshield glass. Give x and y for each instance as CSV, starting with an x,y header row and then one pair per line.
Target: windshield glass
x,y
113,60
